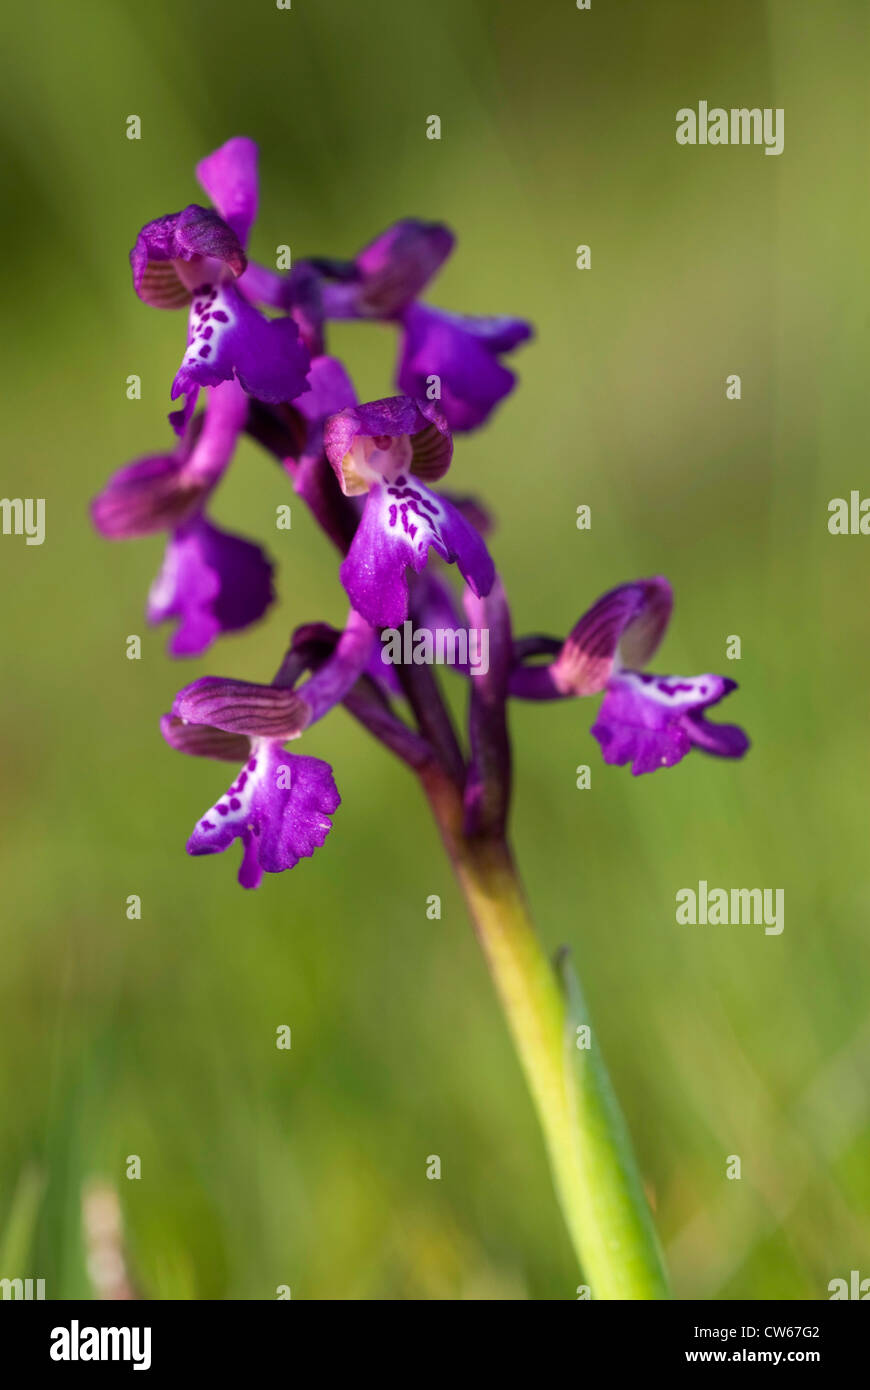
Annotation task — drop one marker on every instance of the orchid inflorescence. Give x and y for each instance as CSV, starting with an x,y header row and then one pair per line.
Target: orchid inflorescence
x,y
366,472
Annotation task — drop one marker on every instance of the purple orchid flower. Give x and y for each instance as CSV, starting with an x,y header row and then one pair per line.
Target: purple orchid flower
x,y
374,449
211,580
193,257
648,721
279,805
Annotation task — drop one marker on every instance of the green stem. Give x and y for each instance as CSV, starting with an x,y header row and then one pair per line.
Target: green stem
x,y
594,1170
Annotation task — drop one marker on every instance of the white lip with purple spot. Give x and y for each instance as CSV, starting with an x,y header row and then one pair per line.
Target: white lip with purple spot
x,y
235,804
210,319
672,692
412,514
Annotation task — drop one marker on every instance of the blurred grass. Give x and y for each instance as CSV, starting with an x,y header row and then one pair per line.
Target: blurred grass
x,y
156,1037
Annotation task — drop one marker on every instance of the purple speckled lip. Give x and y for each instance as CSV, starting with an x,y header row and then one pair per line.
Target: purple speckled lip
x,y
280,807
654,721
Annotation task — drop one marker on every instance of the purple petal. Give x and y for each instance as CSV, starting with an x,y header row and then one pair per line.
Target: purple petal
x,y
630,620
722,740
329,391
203,741
150,495
399,524
499,333
229,177
462,352
654,721
227,336
212,582
173,253
396,266
279,806
242,707
180,419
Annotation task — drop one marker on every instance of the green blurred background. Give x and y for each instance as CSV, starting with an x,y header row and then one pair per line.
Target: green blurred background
x,y
157,1037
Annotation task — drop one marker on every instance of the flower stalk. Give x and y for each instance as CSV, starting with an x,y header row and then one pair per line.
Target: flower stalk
x,y
594,1170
